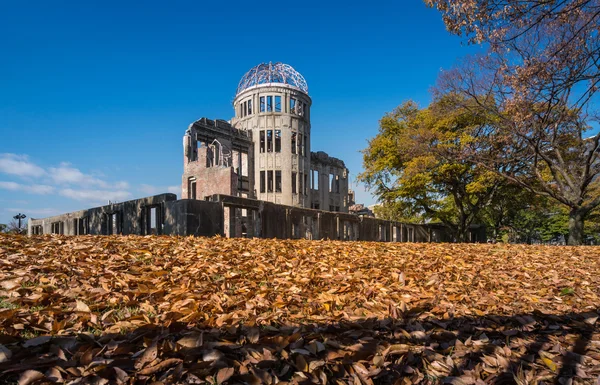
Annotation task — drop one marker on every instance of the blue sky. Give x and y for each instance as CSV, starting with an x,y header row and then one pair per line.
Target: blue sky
x,y
95,96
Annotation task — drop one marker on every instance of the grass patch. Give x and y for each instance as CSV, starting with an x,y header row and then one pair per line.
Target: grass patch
x,y
5,304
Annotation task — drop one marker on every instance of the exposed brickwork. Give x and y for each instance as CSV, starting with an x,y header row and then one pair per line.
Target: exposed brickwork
x,y
209,181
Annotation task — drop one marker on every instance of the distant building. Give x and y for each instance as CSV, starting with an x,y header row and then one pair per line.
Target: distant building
x,y
252,176
264,151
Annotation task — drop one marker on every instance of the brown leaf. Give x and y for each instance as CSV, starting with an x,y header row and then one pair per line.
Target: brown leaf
x,y
54,375
549,363
81,306
301,364
224,374
191,341
120,375
30,376
253,335
5,353
160,366
149,355
37,341
10,284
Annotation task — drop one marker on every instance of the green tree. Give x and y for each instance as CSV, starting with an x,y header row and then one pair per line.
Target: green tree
x,y
399,211
418,162
592,227
505,209
540,81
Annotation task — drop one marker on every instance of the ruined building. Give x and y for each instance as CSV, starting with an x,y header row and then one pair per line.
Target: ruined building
x,y
254,176
264,152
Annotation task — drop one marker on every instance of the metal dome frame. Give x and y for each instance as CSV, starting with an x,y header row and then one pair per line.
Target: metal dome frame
x,y
267,73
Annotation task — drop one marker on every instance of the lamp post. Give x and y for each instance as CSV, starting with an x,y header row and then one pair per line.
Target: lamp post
x,y
18,217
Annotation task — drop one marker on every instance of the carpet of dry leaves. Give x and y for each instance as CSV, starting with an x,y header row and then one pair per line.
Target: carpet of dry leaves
x,y
151,310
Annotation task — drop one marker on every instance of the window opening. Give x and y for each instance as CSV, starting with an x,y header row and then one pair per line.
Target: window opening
x,y
277,140
269,140
85,225
337,183
301,185
114,223
277,181
269,103
294,181
262,182
57,228
262,104
245,109
192,188
277,103
153,220
249,107
262,141
304,145
305,184
270,181
292,106
80,226
294,150
315,179
330,182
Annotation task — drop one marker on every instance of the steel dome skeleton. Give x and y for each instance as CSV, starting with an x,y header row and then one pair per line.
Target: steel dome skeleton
x,y
267,73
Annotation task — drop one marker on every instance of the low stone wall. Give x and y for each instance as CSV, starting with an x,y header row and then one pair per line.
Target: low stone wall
x,y
232,216
130,217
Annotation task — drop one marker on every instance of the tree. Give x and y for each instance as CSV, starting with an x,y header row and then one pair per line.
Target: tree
x,y
13,227
538,80
544,220
3,227
503,212
399,211
417,163
592,228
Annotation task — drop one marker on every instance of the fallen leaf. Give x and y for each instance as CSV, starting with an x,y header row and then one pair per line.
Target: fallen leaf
x,y
224,374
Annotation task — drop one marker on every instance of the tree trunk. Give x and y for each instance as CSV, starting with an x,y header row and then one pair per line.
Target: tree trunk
x,y
576,217
462,230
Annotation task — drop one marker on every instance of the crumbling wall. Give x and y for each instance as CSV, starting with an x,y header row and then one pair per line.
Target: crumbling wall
x,y
217,159
329,183
193,217
130,217
233,216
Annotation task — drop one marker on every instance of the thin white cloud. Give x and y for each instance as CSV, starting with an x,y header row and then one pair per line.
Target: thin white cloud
x,y
122,185
19,165
43,211
154,190
148,189
64,179
66,174
39,189
13,186
95,195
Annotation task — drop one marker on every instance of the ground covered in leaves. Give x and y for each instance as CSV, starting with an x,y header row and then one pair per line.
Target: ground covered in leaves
x,y
150,310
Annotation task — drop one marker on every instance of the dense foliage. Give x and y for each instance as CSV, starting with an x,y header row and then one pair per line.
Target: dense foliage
x,y
418,165
530,102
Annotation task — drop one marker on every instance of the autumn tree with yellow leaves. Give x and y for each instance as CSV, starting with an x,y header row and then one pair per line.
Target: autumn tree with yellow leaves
x,y
419,163
539,81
